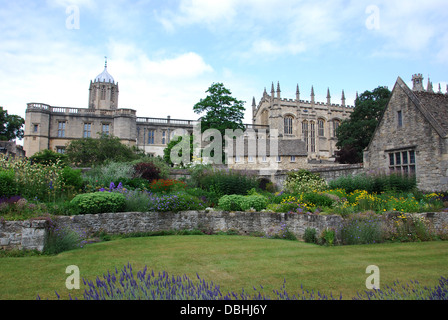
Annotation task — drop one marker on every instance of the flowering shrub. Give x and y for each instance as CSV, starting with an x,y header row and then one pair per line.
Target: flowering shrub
x,y
63,239
35,180
362,229
174,202
304,181
280,232
166,186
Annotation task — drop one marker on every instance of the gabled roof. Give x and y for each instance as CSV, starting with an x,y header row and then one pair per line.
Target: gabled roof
x,y
434,107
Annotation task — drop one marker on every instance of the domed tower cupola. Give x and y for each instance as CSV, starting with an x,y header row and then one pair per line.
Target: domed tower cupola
x,y
103,91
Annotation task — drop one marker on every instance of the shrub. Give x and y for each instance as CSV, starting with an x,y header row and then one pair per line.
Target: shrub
x,y
225,182
162,185
99,202
375,183
303,181
102,175
231,202
147,170
327,237
257,202
72,178
8,185
62,239
310,235
48,157
318,200
174,202
362,229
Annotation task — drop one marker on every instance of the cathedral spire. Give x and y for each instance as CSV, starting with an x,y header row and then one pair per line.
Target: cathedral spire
x,y
312,94
343,98
328,96
278,89
297,93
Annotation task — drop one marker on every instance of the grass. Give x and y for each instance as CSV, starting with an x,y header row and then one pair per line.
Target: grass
x,y
233,262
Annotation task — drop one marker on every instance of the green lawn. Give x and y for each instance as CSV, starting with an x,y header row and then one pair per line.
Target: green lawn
x,y
233,262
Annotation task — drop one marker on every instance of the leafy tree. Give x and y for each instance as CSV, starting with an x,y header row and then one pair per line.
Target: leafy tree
x,y
11,126
355,133
90,151
222,111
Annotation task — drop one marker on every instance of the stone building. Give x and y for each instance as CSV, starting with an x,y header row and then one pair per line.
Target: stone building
x,y
305,129
314,123
411,137
50,127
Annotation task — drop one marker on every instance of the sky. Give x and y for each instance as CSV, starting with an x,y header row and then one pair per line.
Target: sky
x,y
166,54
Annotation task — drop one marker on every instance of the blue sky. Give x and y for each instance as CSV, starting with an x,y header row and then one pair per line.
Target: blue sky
x,y
165,54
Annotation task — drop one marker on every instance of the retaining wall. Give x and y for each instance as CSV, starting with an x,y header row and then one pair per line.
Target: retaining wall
x,y
31,234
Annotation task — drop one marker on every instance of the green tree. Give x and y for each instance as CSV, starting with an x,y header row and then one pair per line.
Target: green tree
x,y
355,133
222,111
11,126
90,151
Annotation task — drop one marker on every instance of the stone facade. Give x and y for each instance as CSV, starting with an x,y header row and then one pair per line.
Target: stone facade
x,y
51,127
26,235
411,137
312,122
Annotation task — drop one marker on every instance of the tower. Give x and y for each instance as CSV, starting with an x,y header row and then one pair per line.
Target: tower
x,y
417,80
103,91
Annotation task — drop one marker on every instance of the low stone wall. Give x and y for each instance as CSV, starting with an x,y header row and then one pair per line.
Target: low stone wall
x,y
31,234
27,235
243,222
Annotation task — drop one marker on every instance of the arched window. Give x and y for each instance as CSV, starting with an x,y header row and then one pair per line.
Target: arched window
x,y
305,133
313,136
321,127
288,124
103,93
336,124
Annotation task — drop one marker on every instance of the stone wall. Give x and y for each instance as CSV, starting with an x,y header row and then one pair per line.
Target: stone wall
x,y
27,235
31,234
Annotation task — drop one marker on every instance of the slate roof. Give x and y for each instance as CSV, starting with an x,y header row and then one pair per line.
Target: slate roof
x,y
435,104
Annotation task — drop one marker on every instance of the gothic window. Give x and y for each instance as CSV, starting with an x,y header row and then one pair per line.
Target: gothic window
x,y
305,133
151,134
321,127
35,128
87,132
288,124
313,136
106,129
163,137
60,150
336,124
112,91
402,162
61,129
400,118
103,93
